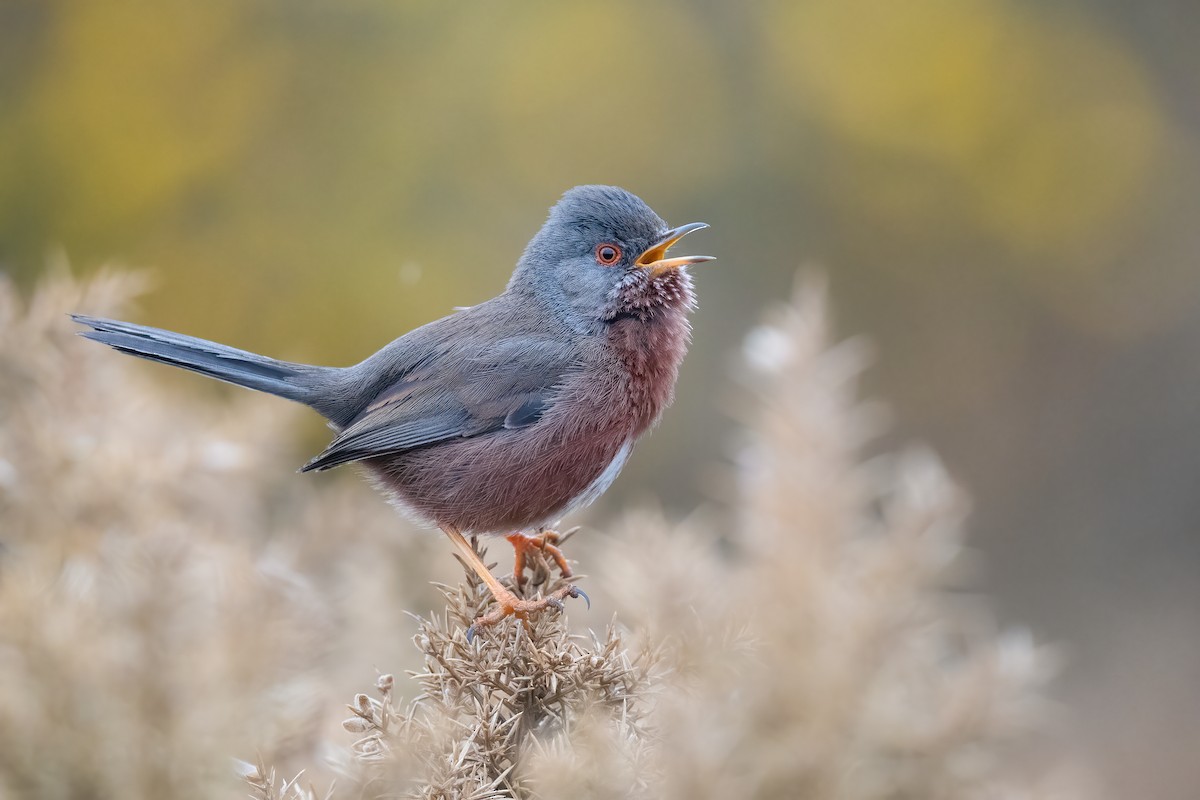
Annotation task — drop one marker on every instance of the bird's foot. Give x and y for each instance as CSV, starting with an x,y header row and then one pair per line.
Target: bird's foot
x,y
509,605
537,552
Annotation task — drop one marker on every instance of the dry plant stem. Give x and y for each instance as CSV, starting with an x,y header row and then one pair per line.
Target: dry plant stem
x,y
543,545
507,603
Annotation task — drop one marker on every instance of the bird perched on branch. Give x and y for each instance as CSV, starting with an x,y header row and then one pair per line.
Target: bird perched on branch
x,y
505,416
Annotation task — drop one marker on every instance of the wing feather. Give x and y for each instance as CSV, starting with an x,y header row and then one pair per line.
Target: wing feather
x,y
508,384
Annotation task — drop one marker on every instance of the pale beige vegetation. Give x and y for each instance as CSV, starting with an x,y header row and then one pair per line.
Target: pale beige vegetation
x,y
178,614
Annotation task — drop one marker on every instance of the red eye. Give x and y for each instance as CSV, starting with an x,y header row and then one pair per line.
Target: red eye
x,y
608,254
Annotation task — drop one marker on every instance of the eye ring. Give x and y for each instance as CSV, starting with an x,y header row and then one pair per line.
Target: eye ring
x,y
607,253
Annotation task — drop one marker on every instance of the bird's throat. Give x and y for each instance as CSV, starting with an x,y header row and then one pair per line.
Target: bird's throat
x,y
643,297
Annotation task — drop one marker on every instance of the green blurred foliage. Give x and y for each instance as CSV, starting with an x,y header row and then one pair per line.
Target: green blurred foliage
x,y
1047,125
266,155
1004,192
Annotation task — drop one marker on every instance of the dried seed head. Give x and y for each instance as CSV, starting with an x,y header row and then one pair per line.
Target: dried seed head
x,y
356,725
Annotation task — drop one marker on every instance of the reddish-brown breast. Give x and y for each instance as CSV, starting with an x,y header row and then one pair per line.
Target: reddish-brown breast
x,y
649,353
517,479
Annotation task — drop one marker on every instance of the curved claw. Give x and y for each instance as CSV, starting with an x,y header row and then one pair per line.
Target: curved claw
x,y
510,605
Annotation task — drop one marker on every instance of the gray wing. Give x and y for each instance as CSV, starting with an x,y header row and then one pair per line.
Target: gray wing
x,y
497,385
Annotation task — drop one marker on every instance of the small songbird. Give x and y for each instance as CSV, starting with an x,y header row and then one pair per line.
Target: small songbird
x,y
505,416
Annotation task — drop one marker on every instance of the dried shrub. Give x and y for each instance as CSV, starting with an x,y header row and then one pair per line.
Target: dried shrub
x,y
831,656
170,600
162,607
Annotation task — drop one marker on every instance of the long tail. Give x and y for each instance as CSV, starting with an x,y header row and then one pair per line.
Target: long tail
x,y
298,382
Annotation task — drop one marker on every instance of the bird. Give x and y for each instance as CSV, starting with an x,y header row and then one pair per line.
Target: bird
x,y
505,416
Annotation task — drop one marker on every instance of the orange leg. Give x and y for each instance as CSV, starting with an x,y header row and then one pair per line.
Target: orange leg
x,y
541,546
507,603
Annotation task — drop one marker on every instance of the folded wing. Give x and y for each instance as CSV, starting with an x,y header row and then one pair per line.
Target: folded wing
x,y
507,384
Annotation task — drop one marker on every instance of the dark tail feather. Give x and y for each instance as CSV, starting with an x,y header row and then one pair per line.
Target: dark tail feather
x,y
297,382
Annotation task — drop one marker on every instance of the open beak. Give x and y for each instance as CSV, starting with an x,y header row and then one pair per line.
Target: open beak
x,y
655,260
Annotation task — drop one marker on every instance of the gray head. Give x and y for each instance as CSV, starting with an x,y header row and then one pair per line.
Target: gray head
x,y
602,256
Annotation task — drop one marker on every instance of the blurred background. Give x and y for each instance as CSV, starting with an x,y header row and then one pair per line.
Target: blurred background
x,y
1003,195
